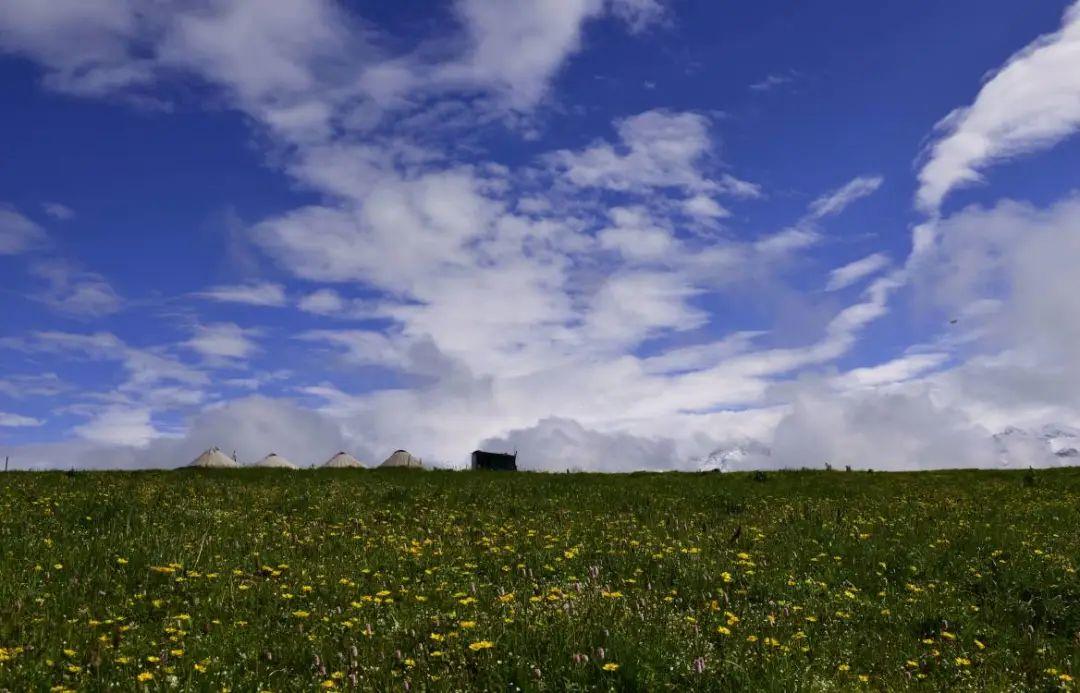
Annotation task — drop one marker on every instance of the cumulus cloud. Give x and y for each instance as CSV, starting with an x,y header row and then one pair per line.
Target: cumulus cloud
x,y
257,426
877,430
1029,104
84,45
223,341
657,149
556,445
122,438
522,307
518,46
1012,261
322,302
704,207
330,303
120,426
298,64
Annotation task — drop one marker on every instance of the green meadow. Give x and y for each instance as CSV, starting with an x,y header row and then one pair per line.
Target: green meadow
x,y
271,580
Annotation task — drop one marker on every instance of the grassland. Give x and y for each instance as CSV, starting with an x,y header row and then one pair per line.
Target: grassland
x,y
269,580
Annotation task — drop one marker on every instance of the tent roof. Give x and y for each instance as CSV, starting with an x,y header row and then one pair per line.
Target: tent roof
x,y
214,458
276,461
343,460
402,458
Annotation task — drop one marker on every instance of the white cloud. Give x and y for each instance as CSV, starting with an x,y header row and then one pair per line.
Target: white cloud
x,y
322,302
9,420
519,46
297,65
838,200
58,211
145,367
223,341
877,430
19,234
657,149
1030,104
895,371
519,303
260,294
119,426
257,426
267,55
636,235
330,303
631,306
83,43
32,385
704,207
787,241
639,14
772,81
845,276
555,445
1019,259
75,292
403,230
365,347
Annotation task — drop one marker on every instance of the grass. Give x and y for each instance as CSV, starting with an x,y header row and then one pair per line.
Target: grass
x,y
276,580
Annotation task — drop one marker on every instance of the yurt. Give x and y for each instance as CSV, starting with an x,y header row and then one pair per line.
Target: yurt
x,y
343,460
274,461
402,458
214,458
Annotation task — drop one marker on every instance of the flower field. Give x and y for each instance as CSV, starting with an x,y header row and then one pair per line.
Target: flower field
x,y
392,580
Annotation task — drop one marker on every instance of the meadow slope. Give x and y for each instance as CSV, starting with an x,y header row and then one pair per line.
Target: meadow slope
x,y
386,580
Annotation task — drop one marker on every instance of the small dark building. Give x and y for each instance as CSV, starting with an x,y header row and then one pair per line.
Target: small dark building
x,y
498,461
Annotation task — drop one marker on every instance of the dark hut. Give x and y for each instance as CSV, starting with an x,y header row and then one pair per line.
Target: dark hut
x,y
497,461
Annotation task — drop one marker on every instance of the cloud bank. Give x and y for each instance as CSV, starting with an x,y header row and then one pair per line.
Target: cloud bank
x,y
596,305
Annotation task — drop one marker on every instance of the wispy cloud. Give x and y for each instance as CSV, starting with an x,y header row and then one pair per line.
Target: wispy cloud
x,y
1029,104
75,292
261,294
838,200
8,420
845,276
58,211
774,81
18,234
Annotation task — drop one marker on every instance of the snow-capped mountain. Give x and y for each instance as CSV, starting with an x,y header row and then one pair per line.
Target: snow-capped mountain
x,y
748,454
1052,445
1047,446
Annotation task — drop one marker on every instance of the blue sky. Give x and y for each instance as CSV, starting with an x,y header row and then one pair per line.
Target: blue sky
x,y
614,234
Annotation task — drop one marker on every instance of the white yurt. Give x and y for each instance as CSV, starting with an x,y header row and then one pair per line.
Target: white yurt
x,y
402,458
274,461
343,460
214,458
